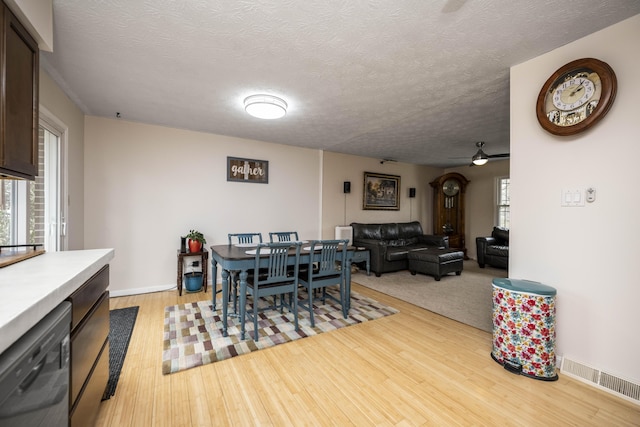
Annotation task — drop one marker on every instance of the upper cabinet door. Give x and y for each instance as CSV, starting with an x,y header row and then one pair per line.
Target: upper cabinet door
x,y
19,75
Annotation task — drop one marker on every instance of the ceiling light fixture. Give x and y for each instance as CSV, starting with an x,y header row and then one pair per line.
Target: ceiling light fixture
x,y
480,158
265,106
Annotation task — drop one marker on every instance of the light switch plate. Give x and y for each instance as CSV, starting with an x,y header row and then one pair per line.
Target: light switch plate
x,y
572,198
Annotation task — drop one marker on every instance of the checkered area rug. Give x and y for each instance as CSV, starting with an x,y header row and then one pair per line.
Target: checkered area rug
x,y
193,331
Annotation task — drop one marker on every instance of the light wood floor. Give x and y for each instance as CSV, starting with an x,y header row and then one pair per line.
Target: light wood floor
x,y
412,368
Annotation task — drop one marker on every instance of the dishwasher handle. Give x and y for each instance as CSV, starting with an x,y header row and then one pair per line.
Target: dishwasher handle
x,y
33,375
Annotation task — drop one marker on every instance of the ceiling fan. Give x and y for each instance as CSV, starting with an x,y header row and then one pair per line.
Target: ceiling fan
x,y
480,158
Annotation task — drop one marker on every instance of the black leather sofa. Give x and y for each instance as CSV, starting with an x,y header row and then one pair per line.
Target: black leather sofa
x,y
389,243
494,250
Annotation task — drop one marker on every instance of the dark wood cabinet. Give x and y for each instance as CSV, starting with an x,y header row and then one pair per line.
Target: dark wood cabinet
x,y
19,76
448,208
89,348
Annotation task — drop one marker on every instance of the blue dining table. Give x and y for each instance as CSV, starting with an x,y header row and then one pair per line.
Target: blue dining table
x,y
235,258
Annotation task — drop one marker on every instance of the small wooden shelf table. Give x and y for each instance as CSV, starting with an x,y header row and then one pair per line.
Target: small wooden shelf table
x,y
204,259
362,255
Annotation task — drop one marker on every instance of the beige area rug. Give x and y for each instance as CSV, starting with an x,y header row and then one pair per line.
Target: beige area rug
x,y
466,298
193,331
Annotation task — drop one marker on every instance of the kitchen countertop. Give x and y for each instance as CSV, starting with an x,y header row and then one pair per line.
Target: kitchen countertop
x,y
30,289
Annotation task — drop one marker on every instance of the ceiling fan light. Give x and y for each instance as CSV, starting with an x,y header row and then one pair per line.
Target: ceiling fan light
x,y
267,107
480,158
480,162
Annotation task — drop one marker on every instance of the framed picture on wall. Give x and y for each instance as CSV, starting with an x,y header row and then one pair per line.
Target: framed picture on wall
x,y
381,192
247,170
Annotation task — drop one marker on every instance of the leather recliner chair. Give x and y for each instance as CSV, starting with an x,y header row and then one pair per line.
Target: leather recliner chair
x,y
494,250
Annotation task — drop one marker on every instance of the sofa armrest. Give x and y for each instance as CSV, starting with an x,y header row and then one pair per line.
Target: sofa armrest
x,y
433,240
369,242
374,246
487,241
377,251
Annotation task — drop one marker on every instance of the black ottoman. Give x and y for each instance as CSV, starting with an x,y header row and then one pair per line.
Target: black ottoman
x,y
435,262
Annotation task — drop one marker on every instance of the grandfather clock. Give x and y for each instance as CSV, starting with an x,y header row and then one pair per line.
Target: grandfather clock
x,y
448,208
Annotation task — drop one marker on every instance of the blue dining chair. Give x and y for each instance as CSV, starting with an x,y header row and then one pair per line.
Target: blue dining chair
x,y
325,269
238,239
283,236
272,280
244,238
286,236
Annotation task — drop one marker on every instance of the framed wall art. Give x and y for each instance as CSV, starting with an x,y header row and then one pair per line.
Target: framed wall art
x,y
247,170
381,192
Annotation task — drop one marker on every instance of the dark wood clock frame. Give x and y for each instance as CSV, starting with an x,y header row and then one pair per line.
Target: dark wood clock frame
x,y
448,211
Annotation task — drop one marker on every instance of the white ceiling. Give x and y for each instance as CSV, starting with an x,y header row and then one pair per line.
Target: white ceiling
x,y
418,81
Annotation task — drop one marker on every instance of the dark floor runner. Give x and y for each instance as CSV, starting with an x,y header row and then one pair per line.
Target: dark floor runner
x,y
121,323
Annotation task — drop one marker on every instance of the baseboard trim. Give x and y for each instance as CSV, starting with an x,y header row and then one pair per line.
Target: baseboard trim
x,y
138,291
147,290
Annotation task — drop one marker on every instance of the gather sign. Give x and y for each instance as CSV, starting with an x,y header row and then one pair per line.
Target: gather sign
x,y
247,170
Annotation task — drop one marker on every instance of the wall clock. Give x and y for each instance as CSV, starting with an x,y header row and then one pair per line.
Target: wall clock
x,y
576,96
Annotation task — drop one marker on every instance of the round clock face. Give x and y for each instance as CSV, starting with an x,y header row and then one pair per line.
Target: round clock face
x,y
571,95
576,96
451,187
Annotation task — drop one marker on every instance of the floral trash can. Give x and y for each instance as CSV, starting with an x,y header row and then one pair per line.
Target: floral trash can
x,y
524,331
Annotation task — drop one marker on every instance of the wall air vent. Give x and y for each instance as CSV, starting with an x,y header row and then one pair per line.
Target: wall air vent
x,y
608,382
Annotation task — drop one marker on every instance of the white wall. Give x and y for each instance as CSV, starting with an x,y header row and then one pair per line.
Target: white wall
x,y
66,112
588,254
343,167
145,186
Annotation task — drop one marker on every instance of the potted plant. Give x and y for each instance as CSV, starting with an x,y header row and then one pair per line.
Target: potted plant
x,y
196,240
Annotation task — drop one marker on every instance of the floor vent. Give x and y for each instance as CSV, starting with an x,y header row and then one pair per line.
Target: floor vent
x,y
621,387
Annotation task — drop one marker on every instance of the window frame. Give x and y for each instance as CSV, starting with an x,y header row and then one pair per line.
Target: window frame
x,y
57,127
499,207
29,203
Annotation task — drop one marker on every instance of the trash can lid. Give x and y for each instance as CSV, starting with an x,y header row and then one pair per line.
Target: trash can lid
x,y
529,286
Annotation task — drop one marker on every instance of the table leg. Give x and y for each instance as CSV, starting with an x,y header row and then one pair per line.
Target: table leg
x,y
179,279
368,261
347,287
243,301
205,268
225,297
214,285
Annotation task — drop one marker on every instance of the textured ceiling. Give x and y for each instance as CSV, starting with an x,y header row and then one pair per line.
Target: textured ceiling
x,y
418,81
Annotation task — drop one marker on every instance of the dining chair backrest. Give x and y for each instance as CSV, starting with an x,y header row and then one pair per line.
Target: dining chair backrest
x,y
277,270
245,238
327,268
330,259
283,236
272,279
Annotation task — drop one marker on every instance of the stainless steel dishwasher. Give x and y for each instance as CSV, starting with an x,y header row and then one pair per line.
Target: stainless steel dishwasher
x,y
34,374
